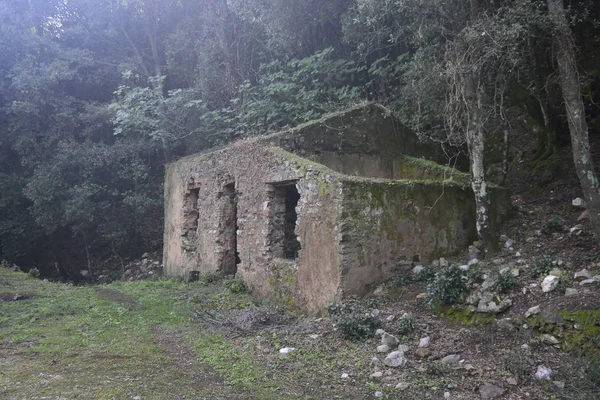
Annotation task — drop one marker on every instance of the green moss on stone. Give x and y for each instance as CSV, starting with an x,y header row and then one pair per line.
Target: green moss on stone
x,y
464,316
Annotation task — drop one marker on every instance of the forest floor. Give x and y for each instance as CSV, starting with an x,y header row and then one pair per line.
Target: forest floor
x,y
163,339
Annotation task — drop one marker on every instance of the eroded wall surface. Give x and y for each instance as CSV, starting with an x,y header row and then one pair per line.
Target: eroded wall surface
x,y
284,213
388,226
258,177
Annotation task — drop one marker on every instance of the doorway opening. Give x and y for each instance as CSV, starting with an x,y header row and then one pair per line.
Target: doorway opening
x,y
231,257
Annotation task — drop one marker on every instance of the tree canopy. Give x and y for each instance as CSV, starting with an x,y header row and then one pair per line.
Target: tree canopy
x,y
97,96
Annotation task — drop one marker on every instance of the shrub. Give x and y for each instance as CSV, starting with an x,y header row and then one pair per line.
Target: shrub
x,y
237,286
554,224
34,272
405,325
541,266
563,282
505,282
353,319
447,286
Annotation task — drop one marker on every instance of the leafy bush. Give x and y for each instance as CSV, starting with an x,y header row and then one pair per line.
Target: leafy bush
x,y
405,325
237,286
554,224
563,282
353,319
447,286
505,282
541,266
475,274
399,280
34,272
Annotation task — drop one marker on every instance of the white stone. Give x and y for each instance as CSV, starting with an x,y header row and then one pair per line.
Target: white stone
x,y
532,311
571,292
473,262
315,336
549,339
446,395
543,373
345,376
384,348
463,267
378,394
376,375
395,359
578,202
451,359
424,342
587,282
443,262
508,243
403,348
576,230
549,283
286,350
583,274
402,385
389,340
416,270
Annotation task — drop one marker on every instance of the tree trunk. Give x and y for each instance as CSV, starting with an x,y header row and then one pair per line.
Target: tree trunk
x,y
571,91
474,94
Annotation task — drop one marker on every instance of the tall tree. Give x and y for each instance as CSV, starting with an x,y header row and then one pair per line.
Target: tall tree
x,y
578,128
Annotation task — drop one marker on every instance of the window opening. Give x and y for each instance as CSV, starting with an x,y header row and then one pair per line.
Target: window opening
x,y
190,216
284,241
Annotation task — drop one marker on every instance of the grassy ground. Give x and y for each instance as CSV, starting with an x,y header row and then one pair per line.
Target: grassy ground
x,y
163,339
150,339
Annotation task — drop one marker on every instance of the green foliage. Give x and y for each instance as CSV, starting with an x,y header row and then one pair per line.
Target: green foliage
x,y
237,286
447,286
563,282
542,266
353,319
405,325
505,282
554,224
34,273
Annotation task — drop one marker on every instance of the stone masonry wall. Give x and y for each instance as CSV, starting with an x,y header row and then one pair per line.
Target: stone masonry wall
x,y
259,176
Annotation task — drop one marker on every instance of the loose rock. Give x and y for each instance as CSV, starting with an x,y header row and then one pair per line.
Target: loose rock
x,y
389,340
395,359
450,359
384,348
583,275
543,373
489,391
424,342
532,311
549,283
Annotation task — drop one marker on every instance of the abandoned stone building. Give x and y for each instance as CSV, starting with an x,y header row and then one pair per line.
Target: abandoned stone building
x,y
328,209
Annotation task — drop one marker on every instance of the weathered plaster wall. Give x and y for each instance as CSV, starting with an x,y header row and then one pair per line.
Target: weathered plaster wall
x,y
353,231
388,225
310,281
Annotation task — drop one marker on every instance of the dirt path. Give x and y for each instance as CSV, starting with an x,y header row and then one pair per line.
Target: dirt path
x,y
211,385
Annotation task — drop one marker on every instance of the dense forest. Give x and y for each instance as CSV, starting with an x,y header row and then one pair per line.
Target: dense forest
x,y
97,96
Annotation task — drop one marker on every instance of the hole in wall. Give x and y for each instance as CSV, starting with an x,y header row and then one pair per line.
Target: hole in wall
x,y
229,234
284,241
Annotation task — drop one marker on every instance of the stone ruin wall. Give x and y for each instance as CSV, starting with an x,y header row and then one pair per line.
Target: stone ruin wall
x,y
352,232
201,193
